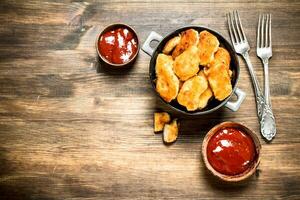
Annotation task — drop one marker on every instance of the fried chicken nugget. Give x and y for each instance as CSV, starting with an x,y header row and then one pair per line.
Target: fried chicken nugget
x,y
189,38
186,65
223,56
160,119
167,83
206,69
189,94
219,81
171,44
205,97
208,45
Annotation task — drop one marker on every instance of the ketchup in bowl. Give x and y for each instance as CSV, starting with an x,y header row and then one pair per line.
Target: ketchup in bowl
x,y
118,45
230,151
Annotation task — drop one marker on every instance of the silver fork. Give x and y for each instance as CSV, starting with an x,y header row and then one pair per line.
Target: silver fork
x,y
264,52
242,47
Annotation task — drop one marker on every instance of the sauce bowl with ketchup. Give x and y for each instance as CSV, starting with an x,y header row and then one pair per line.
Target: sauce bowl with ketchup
x,y
231,151
117,45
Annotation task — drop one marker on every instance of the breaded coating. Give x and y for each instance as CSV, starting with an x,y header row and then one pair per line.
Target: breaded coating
x,y
230,73
208,45
171,132
219,81
167,83
186,65
205,71
189,94
205,97
189,38
222,56
160,119
171,44
178,76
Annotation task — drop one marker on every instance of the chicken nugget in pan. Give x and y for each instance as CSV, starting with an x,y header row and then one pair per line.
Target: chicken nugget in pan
x,y
171,44
167,83
186,65
222,56
219,81
205,97
208,45
189,94
189,38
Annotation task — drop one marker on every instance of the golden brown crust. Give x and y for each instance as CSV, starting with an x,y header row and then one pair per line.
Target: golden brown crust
x,y
189,38
177,74
160,119
230,73
171,132
171,44
167,83
208,45
186,64
189,94
205,97
219,81
221,56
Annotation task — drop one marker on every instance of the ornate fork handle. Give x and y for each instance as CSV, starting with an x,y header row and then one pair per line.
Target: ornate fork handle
x,y
268,124
264,111
260,101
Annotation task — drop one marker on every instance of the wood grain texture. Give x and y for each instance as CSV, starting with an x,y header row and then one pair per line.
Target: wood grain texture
x,y
71,129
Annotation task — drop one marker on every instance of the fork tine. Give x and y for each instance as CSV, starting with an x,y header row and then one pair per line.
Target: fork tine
x,y
233,27
241,26
230,30
262,31
258,32
237,25
266,30
270,35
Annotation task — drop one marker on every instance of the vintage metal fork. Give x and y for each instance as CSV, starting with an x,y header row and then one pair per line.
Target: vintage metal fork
x,y
264,52
242,47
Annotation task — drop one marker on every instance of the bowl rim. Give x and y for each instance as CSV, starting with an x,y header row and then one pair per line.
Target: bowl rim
x,y
229,178
233,55
109,27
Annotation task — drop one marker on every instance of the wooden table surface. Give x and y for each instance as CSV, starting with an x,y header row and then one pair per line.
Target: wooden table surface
x,y
71,129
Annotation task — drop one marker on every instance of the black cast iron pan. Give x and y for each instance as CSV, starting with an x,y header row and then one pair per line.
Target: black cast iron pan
x,y
212,105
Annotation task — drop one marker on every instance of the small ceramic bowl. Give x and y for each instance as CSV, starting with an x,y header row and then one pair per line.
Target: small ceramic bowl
x,y
111,27
235,178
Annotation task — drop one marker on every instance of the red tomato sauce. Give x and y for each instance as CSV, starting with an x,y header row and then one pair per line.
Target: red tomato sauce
x,y
118,46
230,151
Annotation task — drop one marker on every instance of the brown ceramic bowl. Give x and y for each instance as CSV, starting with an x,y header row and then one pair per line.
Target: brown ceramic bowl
x,y
111,27
228,178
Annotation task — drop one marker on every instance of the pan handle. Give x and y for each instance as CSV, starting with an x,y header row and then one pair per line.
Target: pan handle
x,y
234,106
153,36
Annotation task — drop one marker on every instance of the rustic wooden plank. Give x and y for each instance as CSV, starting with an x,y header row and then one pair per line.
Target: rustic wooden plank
x,y
70,130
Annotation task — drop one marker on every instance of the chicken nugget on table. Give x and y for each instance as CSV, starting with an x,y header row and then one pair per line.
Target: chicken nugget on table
x,y
170,132
160,119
